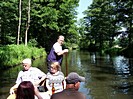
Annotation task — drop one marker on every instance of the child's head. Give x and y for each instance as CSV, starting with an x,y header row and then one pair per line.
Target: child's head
x,y
55,66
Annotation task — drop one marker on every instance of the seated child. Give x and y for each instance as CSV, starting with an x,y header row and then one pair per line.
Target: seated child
x,y
55,81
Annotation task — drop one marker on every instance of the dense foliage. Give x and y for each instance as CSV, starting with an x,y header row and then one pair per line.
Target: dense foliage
x,y
12,55
48,19
103,24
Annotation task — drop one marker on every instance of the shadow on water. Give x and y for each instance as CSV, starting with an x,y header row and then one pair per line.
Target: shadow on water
x,y
106,77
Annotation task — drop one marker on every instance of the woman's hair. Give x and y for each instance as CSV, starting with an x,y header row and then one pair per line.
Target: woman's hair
x,y
56,65
25,90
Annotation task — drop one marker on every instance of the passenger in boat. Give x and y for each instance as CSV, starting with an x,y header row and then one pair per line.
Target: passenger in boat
x,y
29,73
56,53
72,85
55,81
26,90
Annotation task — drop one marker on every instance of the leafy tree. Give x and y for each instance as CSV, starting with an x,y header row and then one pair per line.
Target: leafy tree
x,y
103,20
9,20
48,19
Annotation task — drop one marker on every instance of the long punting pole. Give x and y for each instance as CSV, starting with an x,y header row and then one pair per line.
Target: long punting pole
x,y
66,65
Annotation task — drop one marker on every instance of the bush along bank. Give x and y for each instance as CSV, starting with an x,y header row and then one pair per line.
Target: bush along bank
x,y
12,55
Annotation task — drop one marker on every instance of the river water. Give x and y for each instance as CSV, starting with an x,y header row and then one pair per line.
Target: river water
x,y
106,77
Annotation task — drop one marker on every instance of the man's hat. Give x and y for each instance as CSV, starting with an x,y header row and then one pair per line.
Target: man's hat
x,y
27,61
73,78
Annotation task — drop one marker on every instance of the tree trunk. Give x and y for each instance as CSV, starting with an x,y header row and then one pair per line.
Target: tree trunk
x,y
28,23
19,22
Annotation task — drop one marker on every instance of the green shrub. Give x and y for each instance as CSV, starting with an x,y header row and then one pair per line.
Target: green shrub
x,y
13,54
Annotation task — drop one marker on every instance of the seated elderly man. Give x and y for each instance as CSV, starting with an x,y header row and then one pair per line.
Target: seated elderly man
x,y
72,85
29,73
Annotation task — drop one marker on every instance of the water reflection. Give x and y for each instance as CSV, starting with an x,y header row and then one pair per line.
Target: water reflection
x,y
108,77
75,59
93,57
123,83
122,66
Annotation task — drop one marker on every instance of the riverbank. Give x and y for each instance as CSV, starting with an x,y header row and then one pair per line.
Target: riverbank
x,y
12,55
